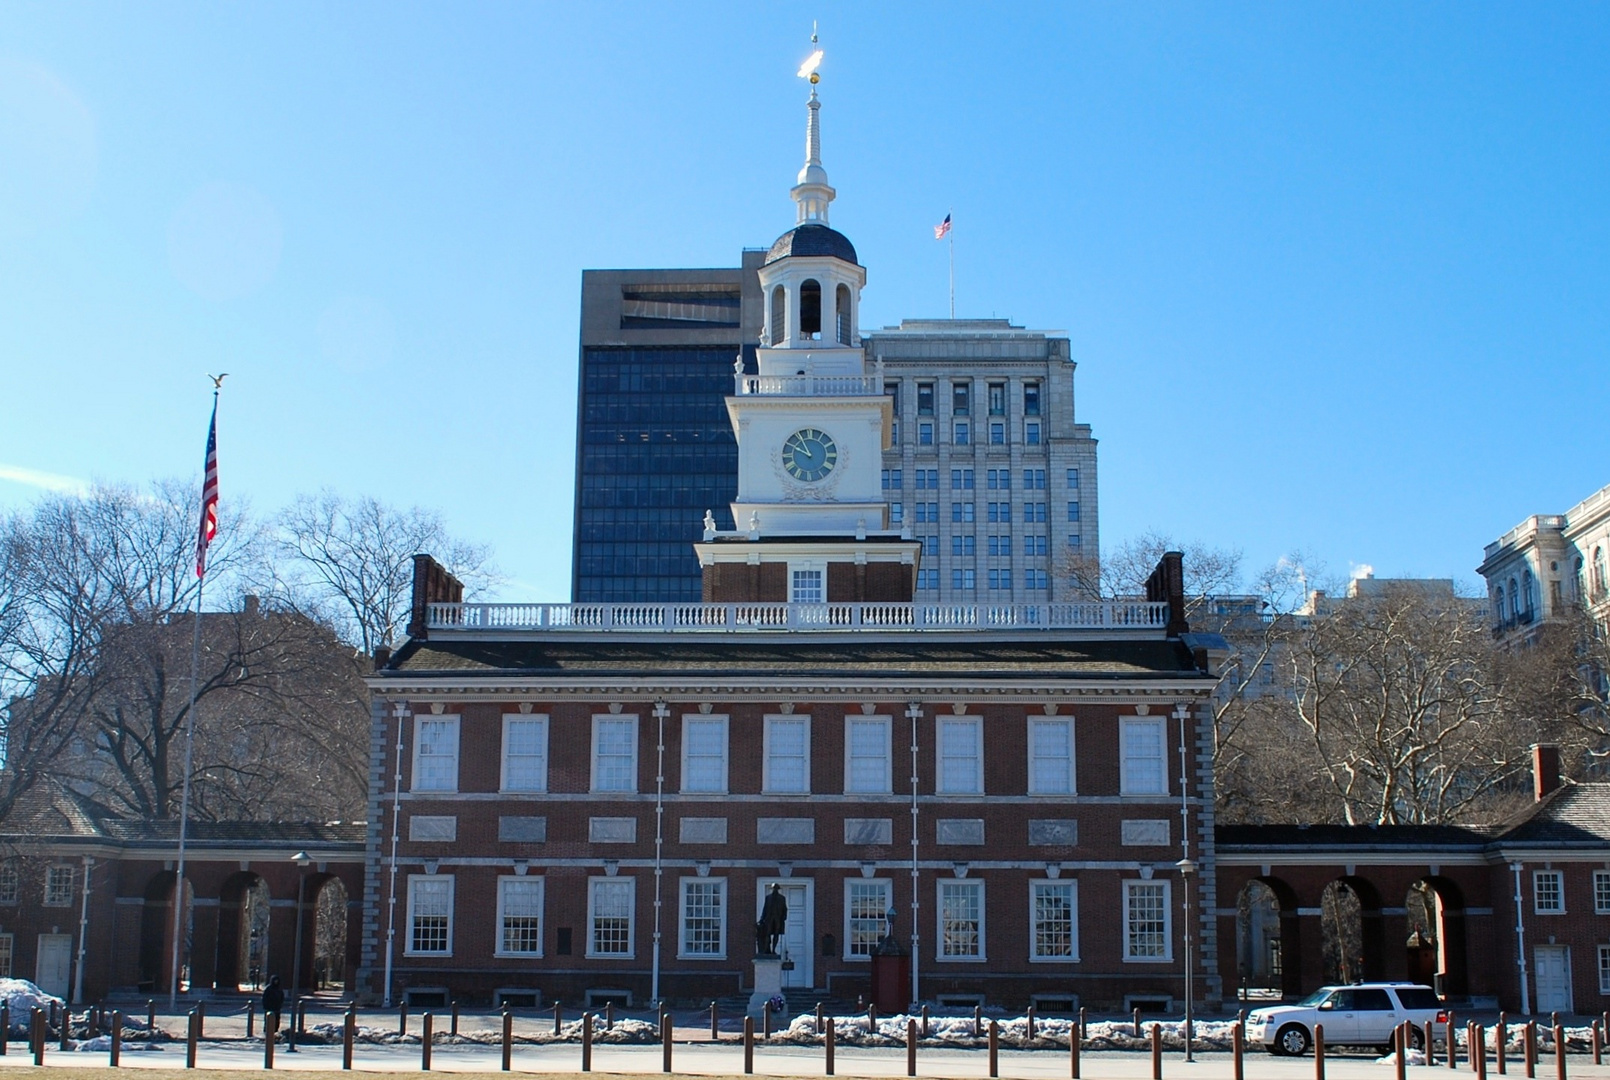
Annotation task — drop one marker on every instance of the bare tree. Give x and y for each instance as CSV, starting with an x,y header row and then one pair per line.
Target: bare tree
x,y
351,560
1123,570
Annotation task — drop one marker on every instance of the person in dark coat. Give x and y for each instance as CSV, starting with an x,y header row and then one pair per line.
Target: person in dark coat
x,y
273,1002
773,922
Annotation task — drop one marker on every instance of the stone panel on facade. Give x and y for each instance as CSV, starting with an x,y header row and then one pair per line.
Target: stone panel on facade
x,y
1053,832
703,830
785,830
522,830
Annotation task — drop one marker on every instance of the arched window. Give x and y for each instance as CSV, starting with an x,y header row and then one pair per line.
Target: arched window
x,y
779,310
1526,604
841,305
810,309
1514,599
1598,572
1498,604
1581,587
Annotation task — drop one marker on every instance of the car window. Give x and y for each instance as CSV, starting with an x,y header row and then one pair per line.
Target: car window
x,y
1341,999
1314,999
1418,997
1372,1000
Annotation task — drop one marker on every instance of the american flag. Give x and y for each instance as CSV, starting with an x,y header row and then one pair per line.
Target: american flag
x,y
942,228
209,496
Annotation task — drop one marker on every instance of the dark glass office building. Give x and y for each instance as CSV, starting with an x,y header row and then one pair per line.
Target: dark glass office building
x,y
654,447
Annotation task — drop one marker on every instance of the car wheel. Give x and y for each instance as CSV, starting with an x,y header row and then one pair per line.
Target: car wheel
x,y
1293,1040
1417,1038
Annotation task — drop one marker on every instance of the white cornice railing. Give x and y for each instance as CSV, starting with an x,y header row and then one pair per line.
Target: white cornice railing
x,y
808,385
708,618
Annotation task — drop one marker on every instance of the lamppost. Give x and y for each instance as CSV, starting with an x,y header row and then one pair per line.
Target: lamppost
x,y
1186,868
302,861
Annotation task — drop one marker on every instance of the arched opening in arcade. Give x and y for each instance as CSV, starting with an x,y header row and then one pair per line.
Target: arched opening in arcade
x,y
330,936
1350,931
1268,946
1434,945
156,933
243,919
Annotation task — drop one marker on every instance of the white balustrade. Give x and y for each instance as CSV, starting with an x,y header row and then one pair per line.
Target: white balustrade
x,y
808,385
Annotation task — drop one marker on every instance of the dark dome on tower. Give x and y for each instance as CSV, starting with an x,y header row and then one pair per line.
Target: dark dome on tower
x,y
812,239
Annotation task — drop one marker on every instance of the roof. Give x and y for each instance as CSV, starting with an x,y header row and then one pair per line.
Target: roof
x,y
812,239
1351,837
1576,815
892,656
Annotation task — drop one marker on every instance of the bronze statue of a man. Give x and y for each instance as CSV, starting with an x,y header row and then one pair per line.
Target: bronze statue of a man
x,y
773,922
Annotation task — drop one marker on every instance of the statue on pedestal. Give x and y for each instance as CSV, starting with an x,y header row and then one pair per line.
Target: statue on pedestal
x,y
773,922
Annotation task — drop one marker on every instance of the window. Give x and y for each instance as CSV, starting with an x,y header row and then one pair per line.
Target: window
x,y
927,512
519,916
891,389
6,946
961,511
1050,756
1054,920
810,309
1604,966
779,307
927,479
961,920
609,916
892,480
928,579
614,753
1074,542
961,755
1140,752
1548,892
430,915
704,753
435,753
897,513
961,398
925,399
805,585
997,433
1073,511
963,545
1034,479
1035,579
925,433
1034,511
1073,479
58,886
999,512
961,479
930,546
1000,546
1031,399
964,579
866,904
1034,545
704,918
1000,579
999,479
8,882
1146,917
866,755
1031,432
1601,892
841,308
525,753
788,766
963,433
997,399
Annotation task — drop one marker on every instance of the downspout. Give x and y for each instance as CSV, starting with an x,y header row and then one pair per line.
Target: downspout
x,y
660,713
1520,941
914,710
402,713
83,934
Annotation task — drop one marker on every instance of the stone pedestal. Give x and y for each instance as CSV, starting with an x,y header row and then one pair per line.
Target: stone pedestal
x,y
768,984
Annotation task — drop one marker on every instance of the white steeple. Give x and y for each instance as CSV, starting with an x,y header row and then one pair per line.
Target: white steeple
x,y
811,191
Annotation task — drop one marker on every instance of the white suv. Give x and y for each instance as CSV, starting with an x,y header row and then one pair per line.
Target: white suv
x,y
1361,1015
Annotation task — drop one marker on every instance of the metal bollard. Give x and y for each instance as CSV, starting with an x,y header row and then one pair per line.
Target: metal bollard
x,y
609,1016
911,1047
1157,1051
1478,1052
665,1039
402,1018
1075,1037
1499,1039
978,1021
1529,1038
1400,1049
1137,1022
1238,1051
454,1030
349,1035
586,1042
150,1014
5,1025
1598,1054
508,1038
270,1029
251,1019
819,1027
192,1023
1559,1051
765,1020
827,1045
36,1035
1029,1016
1319,1052
427,1023
994,1048
117,1040
715,1023
871,1019
1084,1024
925,1021
749,1044
557,1018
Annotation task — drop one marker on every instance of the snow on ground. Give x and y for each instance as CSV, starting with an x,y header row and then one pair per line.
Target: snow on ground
x,y
23,997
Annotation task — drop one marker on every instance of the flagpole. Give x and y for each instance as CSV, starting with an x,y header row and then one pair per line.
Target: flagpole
x,y
190,728
951,235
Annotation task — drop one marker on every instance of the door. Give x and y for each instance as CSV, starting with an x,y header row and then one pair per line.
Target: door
x,y
1338,1015
1553,966
54,968
1375,1015
795,947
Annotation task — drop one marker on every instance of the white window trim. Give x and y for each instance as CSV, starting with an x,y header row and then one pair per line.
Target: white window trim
x,y
939,753
1559,877
11,873
1168,922
725,753
408,923
766,786
542,916
1073,755
939,928
1602,955
797,565
593,757
631,921
682,918
1159,722
72,886
1073,883
503,770
458,744
887,887
887,723
8,953
1598,876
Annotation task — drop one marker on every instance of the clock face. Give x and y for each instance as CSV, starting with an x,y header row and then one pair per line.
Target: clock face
x,y
810,454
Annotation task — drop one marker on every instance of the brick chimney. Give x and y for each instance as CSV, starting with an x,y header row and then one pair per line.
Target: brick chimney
x,y
432,585
1167,586
1545,770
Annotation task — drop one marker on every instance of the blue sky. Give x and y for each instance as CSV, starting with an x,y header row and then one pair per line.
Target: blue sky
x,y
1335,275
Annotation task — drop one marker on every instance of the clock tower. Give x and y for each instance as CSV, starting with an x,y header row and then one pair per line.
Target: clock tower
x,y
811,424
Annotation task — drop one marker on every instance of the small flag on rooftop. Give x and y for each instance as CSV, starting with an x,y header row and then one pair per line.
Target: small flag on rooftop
x,y
942,228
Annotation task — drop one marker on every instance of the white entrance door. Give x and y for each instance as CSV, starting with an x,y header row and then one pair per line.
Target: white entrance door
x,y
54,968
1552,964
796,943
